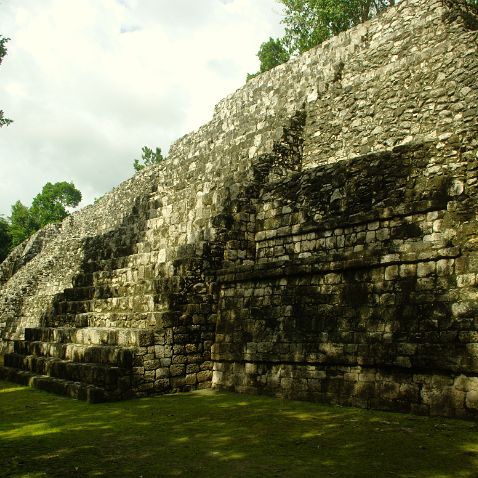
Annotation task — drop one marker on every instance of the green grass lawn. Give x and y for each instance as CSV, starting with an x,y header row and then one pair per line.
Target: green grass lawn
x,y
210,434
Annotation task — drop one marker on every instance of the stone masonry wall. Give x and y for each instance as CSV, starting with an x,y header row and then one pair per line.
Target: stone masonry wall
x,y
372,304
316,239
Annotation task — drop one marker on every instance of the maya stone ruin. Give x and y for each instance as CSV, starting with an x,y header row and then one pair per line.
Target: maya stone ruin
x,y
316,240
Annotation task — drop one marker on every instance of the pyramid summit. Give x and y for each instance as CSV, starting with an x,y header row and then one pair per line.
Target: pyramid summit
x,y
316,240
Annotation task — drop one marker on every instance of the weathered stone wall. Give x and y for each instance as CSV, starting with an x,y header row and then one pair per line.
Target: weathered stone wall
x,y
372,304
363,287
43,267
316,239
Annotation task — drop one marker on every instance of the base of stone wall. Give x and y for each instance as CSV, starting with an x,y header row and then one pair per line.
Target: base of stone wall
x,y
431,394
66,388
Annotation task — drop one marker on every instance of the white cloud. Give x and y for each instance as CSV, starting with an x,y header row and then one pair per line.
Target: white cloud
x,y
89,82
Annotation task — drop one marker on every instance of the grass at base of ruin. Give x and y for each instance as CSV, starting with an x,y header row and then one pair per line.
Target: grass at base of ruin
x,y
211,434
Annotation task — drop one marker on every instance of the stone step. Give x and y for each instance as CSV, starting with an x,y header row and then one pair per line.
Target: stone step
x,y
139,303
109,274
123,320
104,376
74,307
100,354
118,257
106,262
68,388
72,320
78,293
125,337
107,291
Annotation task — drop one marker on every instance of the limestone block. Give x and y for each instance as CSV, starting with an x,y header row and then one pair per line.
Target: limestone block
x,y
191,379
205,376
151,364
426,269
178,382
367,376
177,370
162,372
471,400
161,385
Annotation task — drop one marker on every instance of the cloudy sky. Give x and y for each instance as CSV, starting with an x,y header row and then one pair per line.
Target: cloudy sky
x,y
89,82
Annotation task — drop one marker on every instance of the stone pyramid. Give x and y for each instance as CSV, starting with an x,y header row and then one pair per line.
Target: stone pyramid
x,y
316,240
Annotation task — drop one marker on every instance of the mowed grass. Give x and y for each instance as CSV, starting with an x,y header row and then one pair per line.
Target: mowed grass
x,y
210,434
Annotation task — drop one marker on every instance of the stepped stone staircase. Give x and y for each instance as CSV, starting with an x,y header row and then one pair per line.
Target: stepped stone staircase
x,y
97,336
93,364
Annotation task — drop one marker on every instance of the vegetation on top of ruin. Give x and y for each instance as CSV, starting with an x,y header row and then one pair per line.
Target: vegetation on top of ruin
x,y
148,158
308,23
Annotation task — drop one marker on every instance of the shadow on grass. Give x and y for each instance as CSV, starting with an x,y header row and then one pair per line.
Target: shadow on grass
x,y
206,434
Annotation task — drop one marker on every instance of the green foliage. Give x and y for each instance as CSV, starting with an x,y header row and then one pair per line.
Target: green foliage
x,y
271,54
5,240
4,121
3,48
50,205
47,207
22,224
148,158
3,51
310,22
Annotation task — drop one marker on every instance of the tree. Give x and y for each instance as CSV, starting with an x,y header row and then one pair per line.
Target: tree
x,y
148,158
22,224
47,207
5,240
3,48
271,54
310,22
3,51
50,205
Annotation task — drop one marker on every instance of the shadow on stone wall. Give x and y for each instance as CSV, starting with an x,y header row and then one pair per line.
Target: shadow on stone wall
x,y
103,255
369,283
